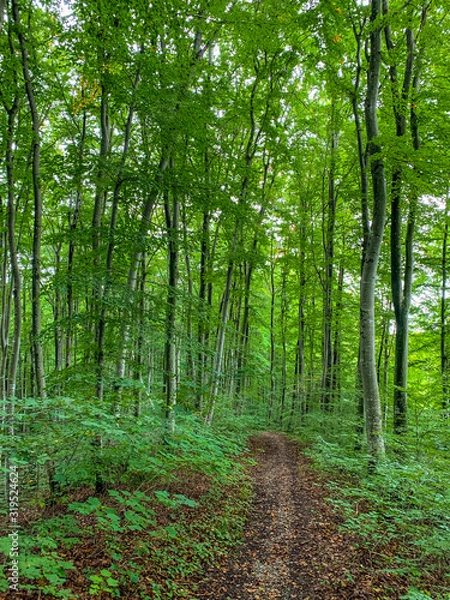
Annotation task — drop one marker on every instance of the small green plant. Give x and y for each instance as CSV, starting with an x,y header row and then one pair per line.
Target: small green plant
x,y
175,501
104,582
38,561
415,594
197,531
406,503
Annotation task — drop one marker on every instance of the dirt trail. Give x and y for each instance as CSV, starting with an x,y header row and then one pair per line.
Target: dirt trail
x,y
292,547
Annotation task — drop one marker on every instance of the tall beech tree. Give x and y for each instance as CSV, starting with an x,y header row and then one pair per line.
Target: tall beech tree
x,y
402,284
36,311
374,422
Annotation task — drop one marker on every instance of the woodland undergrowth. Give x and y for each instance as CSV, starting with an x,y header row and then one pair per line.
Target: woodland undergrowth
x,y
401,512
170,501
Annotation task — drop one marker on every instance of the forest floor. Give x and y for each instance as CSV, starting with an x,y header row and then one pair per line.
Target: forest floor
x,y
293,548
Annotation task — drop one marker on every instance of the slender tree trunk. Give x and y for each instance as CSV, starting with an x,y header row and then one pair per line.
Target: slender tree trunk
x,y
365,216
374,426
328,242
73,222
172,213
244,337
191,375
16,278
99,204
299,395
336,380
231,371
401,297
283,317
250,150
272,338
108,277
139,361
58,330
445,363
197,55
136,258
37,227
203,310
220,343
5,310
2,13
298,392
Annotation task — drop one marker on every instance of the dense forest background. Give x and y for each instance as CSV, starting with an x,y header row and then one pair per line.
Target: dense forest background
x,y
213,212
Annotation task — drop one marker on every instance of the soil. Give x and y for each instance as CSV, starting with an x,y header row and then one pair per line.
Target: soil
x,y
293,548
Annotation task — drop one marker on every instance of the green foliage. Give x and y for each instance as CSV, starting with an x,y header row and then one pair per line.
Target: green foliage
x,y
415,594
179,547
404,505
40,562
104,582
176,500
221,136
134,513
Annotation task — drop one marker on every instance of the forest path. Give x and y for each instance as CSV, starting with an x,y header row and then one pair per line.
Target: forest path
x,y
292,546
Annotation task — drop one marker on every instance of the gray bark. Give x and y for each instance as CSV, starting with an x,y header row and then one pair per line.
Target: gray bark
x,y
364,190
99,203
172,213
272,337
374,429
244,336
138,252
445,363
15,269
328,243
37,227
401,296
101,325
203,311
73,222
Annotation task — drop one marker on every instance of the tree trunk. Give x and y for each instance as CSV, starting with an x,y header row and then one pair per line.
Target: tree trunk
x,y
328,243
58,330
191,375
401,297
374,426
139,360
299,395
272,338
220,343
108,278
136,258
203,310
73,222
5,313
250,150
16,279
244,337
336,379
283,318
365,216
37,227
172,213
445,363
99,204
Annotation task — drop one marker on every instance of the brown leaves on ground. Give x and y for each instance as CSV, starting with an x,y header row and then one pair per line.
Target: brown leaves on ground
x,y
293,548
